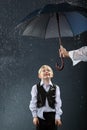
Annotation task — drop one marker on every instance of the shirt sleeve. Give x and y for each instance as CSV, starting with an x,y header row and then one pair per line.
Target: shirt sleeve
x,y
33,101
72,58
58,104
78,55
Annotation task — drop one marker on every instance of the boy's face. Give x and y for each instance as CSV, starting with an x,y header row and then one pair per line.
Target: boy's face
x,y
45,73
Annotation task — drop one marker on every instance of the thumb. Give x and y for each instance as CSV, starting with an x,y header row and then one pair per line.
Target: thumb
x,y
61,47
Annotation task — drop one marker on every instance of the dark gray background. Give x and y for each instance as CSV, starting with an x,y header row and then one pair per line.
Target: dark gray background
x,y
20,59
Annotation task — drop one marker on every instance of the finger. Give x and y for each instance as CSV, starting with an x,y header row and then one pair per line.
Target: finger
x,y
60,54
38,122
61,46
63,55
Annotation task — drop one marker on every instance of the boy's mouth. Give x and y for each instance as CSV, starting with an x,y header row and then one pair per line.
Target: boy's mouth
x,y
47,74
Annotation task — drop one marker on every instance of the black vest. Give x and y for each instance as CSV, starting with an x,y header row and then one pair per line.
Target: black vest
x,y
42,95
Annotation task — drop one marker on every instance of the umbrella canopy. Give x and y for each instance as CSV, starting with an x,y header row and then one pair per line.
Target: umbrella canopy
x,y
54,20
43,22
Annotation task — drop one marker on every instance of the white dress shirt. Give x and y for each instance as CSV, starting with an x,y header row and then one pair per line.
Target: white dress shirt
x,y
78,55
38,112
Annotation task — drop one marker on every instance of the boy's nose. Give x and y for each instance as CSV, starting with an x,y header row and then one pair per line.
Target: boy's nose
x,y
47,72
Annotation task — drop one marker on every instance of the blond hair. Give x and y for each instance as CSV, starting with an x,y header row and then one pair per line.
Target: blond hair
x,y
45,66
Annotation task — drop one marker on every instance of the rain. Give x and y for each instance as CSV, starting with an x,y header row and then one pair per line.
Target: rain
x,y
20,59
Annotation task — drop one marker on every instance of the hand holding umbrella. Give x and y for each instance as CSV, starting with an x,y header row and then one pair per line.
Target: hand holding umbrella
x,y
63,52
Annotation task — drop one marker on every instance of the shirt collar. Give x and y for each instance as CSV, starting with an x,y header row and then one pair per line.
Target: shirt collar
x,y
42,83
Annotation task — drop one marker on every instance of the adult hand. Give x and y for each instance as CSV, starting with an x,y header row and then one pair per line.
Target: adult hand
x,y
63,52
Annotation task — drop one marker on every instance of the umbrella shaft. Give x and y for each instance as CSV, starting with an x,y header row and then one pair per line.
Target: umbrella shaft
x,y
59,33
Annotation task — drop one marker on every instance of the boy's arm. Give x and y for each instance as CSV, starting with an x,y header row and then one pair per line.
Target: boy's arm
x,y
33,101
58,104
58,107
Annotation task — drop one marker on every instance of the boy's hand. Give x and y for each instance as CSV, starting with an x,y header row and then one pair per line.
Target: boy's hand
x,y
35,121
58,122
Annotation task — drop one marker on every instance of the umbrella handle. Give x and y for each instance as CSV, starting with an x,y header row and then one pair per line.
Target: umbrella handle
x,y
62,65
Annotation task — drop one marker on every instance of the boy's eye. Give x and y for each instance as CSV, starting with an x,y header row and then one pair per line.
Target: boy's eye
x,y
46,70
43,70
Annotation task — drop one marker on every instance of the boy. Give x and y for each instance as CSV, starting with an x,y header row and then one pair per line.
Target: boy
x,y
45,103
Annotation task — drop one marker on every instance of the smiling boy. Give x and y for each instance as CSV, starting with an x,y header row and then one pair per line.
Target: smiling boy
x,y
45,103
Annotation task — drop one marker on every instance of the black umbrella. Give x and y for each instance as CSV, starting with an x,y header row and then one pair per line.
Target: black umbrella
x,y
54,20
